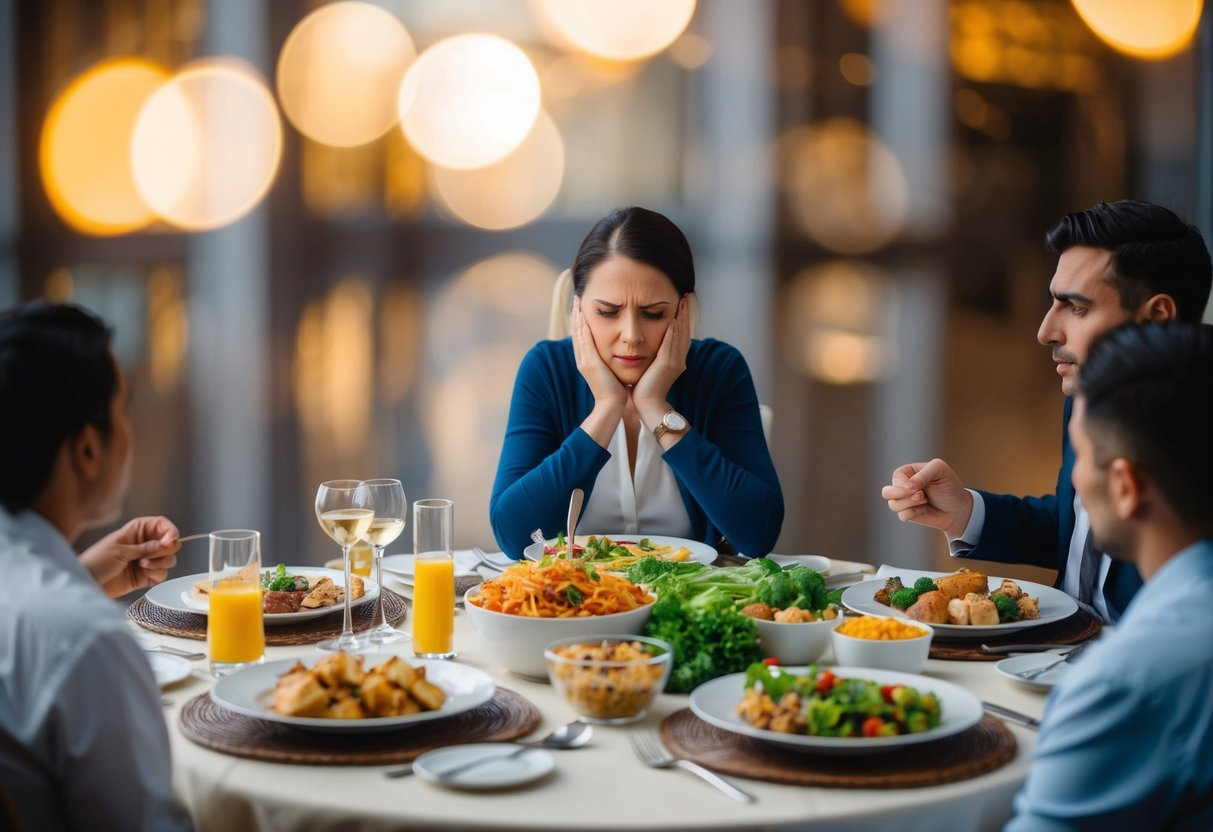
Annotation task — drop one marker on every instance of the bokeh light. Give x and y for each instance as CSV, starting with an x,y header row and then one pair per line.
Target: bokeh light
x,y
207,144
839,314
340,70
512,192
469,101
85,152
1154,30
845,188
620,30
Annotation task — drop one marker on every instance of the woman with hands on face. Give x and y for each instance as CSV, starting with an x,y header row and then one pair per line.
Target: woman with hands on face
x,y
662,432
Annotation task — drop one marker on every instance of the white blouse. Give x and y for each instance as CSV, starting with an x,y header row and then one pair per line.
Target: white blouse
x,y
648,503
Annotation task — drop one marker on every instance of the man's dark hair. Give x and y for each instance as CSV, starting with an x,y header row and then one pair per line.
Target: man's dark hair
x,y
56,376
641,235
1153,252
1149,398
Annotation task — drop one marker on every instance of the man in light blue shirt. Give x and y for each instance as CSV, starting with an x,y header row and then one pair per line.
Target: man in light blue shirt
x,y
1127,736
83,744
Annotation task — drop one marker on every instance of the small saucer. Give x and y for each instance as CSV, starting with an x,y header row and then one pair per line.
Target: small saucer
x,y
1031,661
818,563
169,669
530,765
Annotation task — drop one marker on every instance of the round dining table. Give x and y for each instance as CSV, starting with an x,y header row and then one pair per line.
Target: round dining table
x,y
601,786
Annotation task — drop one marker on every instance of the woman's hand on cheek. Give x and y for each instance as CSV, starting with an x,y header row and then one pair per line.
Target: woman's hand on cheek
x,y
603,384
669,363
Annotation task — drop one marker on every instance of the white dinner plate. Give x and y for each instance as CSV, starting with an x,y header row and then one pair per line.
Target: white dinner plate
x,y
1031,661
817,563
523,768
401,566
169,669
176,595
700,552
1054,606
250,691
716,701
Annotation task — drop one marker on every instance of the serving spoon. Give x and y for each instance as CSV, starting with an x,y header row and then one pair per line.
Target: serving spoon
x,y
572,735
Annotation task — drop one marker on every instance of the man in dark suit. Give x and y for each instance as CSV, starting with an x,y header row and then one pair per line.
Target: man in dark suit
x,y
1121,262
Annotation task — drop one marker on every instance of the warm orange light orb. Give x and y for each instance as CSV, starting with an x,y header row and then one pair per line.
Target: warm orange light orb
x,y
1154,30
340,70
619,30
84,154
512,192
469,101
207,145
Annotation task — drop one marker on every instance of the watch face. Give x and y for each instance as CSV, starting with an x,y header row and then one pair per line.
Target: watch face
x,y
674,421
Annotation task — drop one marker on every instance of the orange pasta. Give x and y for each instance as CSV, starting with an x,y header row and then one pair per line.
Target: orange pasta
x,y
563,589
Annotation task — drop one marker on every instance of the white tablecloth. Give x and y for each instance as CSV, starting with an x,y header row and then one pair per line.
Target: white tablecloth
x,y
601,786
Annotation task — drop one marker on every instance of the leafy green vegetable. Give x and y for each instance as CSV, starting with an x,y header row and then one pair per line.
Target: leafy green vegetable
x,y
648,570
709,634
1008,610
574,595
278,580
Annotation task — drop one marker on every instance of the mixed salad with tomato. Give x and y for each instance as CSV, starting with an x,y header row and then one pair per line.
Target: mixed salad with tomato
x,y
834,706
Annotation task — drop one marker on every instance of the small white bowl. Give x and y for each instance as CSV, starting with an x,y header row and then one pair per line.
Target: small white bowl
x,y
796,643
907,655
517,642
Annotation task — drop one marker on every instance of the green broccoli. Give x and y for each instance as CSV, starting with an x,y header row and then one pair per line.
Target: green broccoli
x,y
1008,610
925,584
648,570
903,598
811,588
777,591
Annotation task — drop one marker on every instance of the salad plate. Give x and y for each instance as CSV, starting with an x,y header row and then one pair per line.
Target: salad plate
x,y
715,702
700,552
177,594
250,691
1031,661
1055,605
514,769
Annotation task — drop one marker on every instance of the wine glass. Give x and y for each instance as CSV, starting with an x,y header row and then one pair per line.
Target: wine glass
x,y
344,515
386,498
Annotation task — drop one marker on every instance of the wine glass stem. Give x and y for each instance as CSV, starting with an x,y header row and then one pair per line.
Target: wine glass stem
x,y
347,623
379,582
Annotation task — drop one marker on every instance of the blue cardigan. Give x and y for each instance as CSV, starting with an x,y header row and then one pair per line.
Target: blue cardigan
x,y
722,465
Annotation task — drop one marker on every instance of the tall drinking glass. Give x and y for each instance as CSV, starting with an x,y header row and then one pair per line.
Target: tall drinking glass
x,y
386,498
235,630
345,516
433,579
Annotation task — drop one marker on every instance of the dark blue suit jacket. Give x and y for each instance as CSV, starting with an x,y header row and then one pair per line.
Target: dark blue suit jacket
x,y
1037,530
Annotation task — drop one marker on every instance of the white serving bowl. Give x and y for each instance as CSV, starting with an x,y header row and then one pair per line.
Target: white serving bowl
x,y
907,655
795,643
517,642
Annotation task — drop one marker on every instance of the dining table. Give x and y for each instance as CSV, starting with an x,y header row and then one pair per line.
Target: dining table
x,y
601,786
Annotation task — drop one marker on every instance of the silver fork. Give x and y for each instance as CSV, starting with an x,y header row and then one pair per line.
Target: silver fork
x,y
484,559
653,754
1029,675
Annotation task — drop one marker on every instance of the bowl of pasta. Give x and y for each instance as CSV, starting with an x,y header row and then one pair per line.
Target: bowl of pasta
x,y
610,680
517,614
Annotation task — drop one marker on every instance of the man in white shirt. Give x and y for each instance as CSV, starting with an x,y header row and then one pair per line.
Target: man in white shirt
x,y
83,744
1123,262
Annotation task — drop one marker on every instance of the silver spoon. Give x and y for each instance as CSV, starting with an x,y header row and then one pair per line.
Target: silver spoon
x,y
572,735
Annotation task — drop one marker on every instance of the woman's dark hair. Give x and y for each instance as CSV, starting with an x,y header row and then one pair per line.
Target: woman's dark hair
x,y
1153,252
641,235
1149,398
56,376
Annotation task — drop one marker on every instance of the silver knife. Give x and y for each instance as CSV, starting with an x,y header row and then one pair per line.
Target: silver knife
x,y
1024,648
1014,716
575,502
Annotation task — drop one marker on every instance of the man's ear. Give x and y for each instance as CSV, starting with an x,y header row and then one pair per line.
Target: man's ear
x,y
84,451
1160,307
1126,488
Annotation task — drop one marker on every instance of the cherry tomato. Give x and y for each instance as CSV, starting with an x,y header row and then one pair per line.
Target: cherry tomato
x,y
825,682
872,726
887,691
771,661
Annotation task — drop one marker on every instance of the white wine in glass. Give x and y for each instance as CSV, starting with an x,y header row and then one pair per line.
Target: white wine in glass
x,y
346,517
386,498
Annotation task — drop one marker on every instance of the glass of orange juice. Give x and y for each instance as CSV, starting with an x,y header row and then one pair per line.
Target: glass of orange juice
x,y
433,579
235,630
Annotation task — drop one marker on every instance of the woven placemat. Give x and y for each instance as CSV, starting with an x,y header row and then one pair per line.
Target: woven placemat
x,y
982,748
507,716
160,619
1077,628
